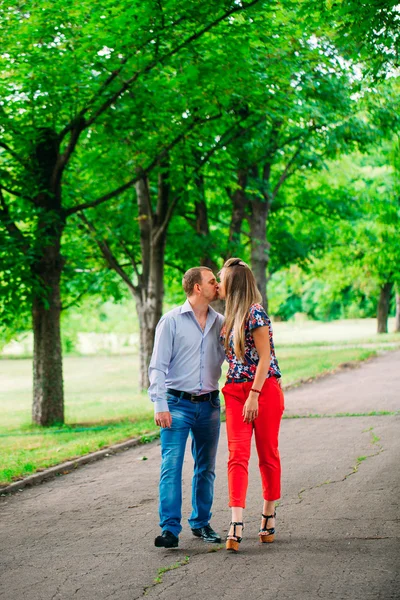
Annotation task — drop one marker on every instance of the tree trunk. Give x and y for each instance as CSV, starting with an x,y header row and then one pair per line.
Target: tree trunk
x,y
397,320
260,247
48,396
383,307
239,202
146,340
149,308
149,292
258,218
203,229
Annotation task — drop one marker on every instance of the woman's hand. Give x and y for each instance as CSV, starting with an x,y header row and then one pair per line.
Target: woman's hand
x,y
250,408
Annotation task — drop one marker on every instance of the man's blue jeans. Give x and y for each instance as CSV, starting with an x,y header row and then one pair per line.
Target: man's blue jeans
x,y
202,421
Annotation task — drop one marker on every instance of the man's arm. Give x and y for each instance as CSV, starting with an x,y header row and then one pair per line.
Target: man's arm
x,y
158,370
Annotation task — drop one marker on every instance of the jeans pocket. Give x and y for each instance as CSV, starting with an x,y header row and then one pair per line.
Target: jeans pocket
x,y
216,402
172,400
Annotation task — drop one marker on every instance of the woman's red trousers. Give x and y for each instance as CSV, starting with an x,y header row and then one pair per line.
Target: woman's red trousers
x,y
266,430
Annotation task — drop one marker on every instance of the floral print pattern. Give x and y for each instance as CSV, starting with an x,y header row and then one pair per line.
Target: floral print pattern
x,y
246,369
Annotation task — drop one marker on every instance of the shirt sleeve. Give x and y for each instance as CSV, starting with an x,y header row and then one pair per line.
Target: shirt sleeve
x,y
159,364
258,317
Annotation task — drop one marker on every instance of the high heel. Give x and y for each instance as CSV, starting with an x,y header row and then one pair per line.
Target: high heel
x,y
267,535
231,544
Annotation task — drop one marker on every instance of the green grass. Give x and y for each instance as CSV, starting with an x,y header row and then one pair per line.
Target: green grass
x,y
159,577
333,333
103,405
180,563
306,362
387,339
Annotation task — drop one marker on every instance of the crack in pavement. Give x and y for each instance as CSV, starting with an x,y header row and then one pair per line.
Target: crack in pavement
x,y
360,459
188,560
159,577
59,588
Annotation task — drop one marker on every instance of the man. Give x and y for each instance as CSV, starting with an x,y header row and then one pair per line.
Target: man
x,y
184,371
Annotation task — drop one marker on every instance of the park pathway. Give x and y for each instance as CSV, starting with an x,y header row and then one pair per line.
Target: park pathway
x,y
89,535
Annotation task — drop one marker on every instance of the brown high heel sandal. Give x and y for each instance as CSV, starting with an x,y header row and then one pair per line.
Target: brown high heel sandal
x,y
267,535
233,545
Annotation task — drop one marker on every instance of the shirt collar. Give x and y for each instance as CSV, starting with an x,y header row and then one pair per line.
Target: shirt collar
x,y
187,307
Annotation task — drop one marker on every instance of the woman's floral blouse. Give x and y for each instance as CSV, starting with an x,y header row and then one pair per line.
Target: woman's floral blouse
x,y
246,369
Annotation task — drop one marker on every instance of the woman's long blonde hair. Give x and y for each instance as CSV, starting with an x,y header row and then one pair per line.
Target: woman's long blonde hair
x,y
240,293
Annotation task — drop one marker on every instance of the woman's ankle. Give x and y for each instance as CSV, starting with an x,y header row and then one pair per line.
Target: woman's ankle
x,y
237,514
235,530
237,517
269,507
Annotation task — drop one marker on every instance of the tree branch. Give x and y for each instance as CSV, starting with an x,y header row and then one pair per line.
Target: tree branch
x,y
131,257
174,266
112,76
226,139
146,171
285,174
13,154
66,155
302,133
163,190
108,254
9,121
79,296
161,230
192,223
309,209
17,194
128,83
13,192
191,220
11,227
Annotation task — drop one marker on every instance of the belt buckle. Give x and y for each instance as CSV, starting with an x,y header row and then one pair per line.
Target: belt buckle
x,y
196,399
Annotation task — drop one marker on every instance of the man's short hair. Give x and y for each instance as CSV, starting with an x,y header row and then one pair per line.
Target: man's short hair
x,y
191,277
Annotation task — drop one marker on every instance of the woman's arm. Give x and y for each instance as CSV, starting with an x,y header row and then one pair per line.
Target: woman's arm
x,y
261,341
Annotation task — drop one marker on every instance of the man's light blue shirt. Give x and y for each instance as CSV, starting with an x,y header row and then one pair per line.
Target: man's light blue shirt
x,y
184,357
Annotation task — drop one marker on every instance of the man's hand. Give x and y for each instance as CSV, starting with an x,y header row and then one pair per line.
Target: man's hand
x,y
163,419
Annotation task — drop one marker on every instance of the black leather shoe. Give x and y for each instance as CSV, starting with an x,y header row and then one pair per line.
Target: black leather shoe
x,y
166,540
208,534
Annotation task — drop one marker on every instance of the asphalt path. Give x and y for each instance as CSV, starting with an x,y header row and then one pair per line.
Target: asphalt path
x,y
90,534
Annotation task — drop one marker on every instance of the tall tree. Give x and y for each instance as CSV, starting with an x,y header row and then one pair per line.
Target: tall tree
x,y
359,246
308,115
67,67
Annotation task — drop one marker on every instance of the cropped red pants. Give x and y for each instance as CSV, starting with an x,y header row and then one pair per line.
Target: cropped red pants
x,y
266,429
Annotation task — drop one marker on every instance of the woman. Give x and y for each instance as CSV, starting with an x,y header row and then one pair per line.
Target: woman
x,y
253,397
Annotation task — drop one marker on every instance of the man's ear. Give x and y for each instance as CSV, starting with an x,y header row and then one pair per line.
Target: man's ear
x,y
197,287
